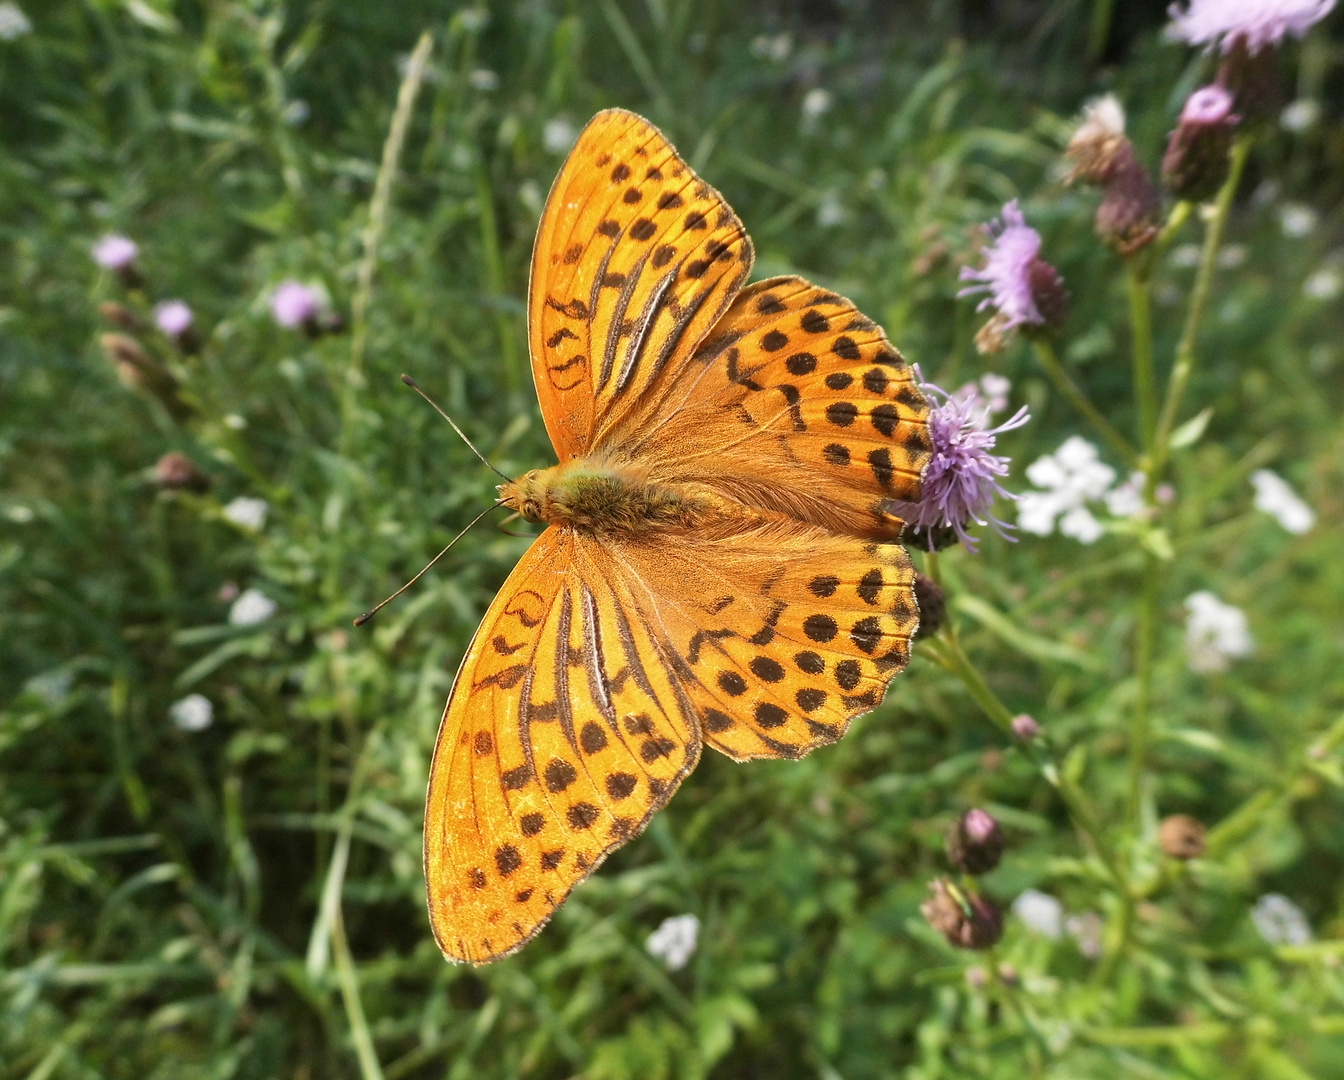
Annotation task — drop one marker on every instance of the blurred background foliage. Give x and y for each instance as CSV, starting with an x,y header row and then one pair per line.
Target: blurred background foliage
x,y
162,890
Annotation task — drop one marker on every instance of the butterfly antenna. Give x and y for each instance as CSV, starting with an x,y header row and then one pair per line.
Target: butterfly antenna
x,y
370,614
416,387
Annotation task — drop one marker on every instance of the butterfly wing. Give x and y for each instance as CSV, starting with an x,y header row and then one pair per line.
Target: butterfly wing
x,y
565,732
636,258
795,403
781,633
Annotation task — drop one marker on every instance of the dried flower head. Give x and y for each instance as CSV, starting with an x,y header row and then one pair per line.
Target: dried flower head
x,y
1181,836
1099,143
1258,23
962,480
975,844
967,920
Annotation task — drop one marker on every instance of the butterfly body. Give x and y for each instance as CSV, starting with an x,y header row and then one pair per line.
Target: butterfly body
x,y
604,499
720,567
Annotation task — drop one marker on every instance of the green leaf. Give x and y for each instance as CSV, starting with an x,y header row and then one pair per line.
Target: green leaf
x,y
1190,432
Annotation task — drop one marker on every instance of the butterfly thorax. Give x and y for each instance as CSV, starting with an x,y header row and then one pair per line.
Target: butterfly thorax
x,y
607,499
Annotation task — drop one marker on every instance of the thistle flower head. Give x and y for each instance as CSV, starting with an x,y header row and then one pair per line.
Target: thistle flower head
x,y
115,252
1006,275
295,304
1257,22
1207,105
962,480
174,317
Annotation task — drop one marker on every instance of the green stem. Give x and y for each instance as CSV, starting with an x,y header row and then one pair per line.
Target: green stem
x,y
1066,386
369,1068
1199,302
1145,377
494,277
1143,667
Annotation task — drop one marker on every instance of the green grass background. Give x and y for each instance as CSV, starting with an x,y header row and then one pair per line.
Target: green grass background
x,y
159,890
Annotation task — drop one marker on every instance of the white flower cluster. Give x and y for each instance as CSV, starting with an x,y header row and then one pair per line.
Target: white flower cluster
x,y
1043,915
252,607
674,941
1215,633
247,512
13,22
193,713
1280,921
1275,497
990,394
1067,481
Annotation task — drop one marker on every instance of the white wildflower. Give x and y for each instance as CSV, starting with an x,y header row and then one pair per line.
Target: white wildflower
x,y
53,687
1068,479
1323,284
1301,115
13,22
193,713
1185,255
1215,633
816,102
1126,499
1040,913
1280,921
247,512
674,941
252,607
831,211
483,79
558,135
774,47
1275,497
995,388
1232,256
1297,220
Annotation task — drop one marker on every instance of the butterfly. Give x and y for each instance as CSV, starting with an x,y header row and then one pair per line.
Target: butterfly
x,y
719,565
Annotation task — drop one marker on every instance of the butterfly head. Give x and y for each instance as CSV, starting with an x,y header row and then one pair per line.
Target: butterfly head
x,y
528,495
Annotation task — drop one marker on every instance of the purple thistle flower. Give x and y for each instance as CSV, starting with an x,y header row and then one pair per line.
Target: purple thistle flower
x,y
115,252
1207,105
173,317
1006,275
962,480
1258,22
294,304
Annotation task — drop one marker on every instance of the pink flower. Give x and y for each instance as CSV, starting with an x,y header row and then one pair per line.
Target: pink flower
x,y
174,317
1258,22
1007,273
1207,105
295,304
115,252
962,481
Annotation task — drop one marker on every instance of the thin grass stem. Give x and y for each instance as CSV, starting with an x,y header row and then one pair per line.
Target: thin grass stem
x,y
1064,383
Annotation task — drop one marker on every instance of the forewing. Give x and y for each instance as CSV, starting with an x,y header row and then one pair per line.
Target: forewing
x,y
783,632
796,403
565,732
636,258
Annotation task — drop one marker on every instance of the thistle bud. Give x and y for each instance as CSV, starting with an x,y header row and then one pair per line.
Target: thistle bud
x,y
177,472
1131,208
120,315
975,843
143,374
932,602
1050,295
1196,162
1181,836
1026,727
968,921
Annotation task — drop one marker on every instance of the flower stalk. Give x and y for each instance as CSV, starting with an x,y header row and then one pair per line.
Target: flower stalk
x,y
1063,381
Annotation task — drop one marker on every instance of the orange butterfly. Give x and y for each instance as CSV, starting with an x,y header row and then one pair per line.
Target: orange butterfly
x,y
719,565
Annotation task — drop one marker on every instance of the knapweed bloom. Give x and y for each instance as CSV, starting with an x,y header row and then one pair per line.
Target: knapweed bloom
x,y
1022,288
1197,159
1275,497
1257,23
1066,481
1215,633
295,305
1280,921
674,941
962,480
193,713
251,608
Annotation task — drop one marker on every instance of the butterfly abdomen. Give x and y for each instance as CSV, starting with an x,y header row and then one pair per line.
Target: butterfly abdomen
x,y
608,500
